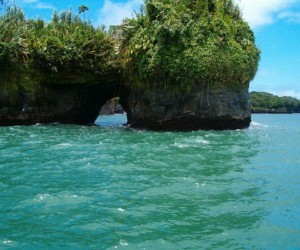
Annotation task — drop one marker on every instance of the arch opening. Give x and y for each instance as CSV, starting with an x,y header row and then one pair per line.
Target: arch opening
x,y
111,114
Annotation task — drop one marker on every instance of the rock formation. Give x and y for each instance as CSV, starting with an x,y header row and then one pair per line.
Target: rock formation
x,y
70,102
203,108
179,65
188,65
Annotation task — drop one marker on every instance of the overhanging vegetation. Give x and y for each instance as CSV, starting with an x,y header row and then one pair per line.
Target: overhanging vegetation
x,y
180,43
65,44
170,43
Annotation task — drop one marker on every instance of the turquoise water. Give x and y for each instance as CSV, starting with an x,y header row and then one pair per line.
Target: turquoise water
x,y
76,187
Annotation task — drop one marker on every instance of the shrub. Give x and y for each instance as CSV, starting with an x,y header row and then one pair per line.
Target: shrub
x,y
180,43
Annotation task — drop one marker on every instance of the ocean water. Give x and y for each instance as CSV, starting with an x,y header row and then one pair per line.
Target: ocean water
x,y
111,187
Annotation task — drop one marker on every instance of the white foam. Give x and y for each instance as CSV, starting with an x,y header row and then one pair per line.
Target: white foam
x,y
191,143
7,241
123,243
202,141
43,197
64,145
257,125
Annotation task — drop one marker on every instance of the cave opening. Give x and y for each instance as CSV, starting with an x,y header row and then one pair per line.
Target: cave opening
x,y
112,113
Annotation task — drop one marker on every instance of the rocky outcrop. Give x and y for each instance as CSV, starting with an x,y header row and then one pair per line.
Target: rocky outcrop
x,y
65,101
112,107
215,108
72,103
69,74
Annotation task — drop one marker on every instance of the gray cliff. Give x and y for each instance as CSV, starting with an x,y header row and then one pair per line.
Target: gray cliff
x,y
202,108
74,100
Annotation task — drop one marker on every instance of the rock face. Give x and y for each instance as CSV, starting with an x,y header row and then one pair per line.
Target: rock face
x,y
63,103
202,108
112,107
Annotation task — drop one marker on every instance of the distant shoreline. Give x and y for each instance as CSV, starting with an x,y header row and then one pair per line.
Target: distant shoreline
x,y
267,103
268,111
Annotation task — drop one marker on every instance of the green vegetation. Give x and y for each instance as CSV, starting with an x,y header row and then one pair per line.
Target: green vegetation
x,y
180,43
262,102
63,45
170,43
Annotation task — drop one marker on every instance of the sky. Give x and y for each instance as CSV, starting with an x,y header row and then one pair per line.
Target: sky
x,y
276,24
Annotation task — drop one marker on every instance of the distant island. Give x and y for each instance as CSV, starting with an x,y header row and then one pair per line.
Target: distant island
x,y
262,102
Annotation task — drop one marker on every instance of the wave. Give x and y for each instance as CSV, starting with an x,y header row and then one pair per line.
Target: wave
x,y
257,125
191,143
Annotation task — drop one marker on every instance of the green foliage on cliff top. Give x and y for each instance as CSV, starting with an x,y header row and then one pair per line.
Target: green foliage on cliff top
x,y
184,42
266,102
175,43
66,44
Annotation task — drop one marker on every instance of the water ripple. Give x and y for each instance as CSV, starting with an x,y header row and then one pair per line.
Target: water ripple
x,y
111,187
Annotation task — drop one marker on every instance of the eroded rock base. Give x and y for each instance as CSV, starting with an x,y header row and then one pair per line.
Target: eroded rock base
x,y
202,108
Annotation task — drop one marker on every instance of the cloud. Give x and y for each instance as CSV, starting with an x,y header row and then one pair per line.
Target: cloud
x,y
112,13
263,12
290,16
37,4
44,6
257,12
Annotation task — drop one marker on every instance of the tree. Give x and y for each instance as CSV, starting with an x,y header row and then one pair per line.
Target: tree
x,y
82,9
266,102
65,44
